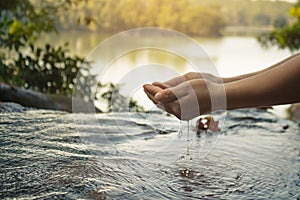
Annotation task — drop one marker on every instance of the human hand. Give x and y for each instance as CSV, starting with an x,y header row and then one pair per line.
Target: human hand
x,y
186,100
151,90
187,77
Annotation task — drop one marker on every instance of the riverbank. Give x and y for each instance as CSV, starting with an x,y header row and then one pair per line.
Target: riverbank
x,y
246,30
29,98
13,99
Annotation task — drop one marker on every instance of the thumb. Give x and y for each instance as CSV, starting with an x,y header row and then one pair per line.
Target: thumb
x,y
161,85
173,93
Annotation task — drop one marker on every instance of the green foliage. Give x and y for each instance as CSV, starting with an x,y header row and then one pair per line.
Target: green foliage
x,y
285,35
49,69
194,17
21,23
115,101
249,12
280,22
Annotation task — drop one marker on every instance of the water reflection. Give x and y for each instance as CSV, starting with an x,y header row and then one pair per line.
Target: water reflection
x,y
231,55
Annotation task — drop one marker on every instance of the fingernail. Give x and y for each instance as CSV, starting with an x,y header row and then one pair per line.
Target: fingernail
x,y
158,96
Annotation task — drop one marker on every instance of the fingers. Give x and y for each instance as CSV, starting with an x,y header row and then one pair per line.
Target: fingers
x,y
161,85
180,79
180,96
165,95
171,94
151,90
151,97
192,75
171,107
157,94
160,92
175,81
170,100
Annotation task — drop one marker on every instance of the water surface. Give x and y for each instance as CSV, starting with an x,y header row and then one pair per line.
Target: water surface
x,y
57,155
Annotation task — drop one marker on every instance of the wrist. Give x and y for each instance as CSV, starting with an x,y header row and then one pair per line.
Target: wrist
x,y
243,94
217,96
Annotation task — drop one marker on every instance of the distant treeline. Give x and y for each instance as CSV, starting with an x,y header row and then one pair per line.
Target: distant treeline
x,y
253,13
193,17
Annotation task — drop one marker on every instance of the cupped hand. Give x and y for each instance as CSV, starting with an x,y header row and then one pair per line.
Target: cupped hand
x,y
187,99
187,77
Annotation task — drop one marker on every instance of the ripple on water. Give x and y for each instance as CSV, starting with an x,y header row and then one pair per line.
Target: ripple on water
x,y
49,155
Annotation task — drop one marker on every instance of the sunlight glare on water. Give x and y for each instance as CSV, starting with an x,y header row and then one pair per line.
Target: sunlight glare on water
x,y
44,156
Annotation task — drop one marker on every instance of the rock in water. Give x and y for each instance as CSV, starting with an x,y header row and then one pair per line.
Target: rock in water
x,y
11,107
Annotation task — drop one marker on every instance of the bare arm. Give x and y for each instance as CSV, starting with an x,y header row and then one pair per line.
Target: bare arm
x,y
196,75
279,84
236,78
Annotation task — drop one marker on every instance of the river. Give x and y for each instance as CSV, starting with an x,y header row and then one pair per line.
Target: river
x,y
135,155
57,155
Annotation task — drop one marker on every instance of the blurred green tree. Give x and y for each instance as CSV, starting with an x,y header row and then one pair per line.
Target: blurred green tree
x,y
285,35
47,69
109,16
115,101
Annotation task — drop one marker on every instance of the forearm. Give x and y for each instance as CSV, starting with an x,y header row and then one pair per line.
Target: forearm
x,y
278,85
240,77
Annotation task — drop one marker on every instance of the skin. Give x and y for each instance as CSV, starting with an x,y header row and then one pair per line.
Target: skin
x,y
193,94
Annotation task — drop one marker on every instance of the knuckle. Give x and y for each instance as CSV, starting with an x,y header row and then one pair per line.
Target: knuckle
x,y
188,75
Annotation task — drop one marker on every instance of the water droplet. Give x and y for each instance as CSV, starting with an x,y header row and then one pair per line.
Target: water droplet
x,y
180,130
